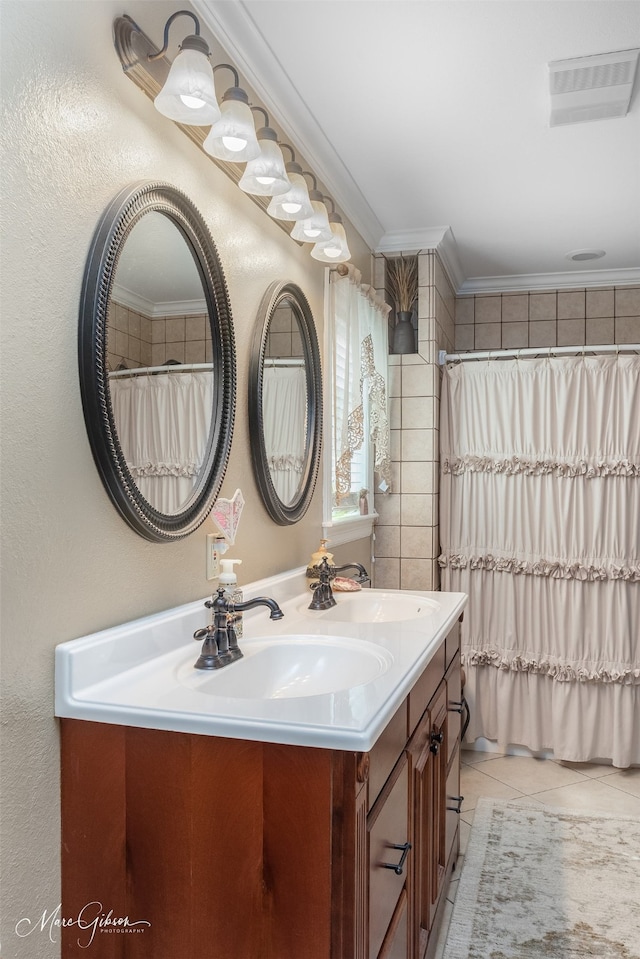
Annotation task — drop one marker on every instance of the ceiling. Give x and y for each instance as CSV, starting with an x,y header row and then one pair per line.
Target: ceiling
x,y
428,121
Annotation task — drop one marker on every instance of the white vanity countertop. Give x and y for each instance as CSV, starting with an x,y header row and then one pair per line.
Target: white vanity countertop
x,y
141,673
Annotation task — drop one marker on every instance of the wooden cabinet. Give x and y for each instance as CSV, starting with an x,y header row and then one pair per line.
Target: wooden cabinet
x,y
229,849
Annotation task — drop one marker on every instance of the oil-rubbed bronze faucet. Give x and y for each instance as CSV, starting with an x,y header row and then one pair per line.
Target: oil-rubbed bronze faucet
x,y
323,597
220,645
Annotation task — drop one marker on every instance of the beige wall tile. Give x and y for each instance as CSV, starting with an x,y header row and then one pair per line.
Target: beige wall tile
x,y
388,509
515,335
464,338
542,333
417,412
488,309
145,329
145,353
416,542
488,336
416,574
195,328
600,303
418,445
135,349
417,478
465,310
599,331
395,413
386,574
426,269
542,306
416,509
174,351
571,332
379,278
134,324
571,306
627,302
158,330
394,381
395,445
414,380
175,330
627,329
194,351
515,308
387,541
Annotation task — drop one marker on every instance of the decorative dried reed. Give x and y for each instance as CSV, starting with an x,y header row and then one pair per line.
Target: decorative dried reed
x,y
402,276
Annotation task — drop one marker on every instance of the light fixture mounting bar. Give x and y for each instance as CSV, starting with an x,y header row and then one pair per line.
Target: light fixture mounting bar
x,y
134,48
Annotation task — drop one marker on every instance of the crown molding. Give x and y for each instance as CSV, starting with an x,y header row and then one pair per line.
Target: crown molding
x,y
140,304
438,238
239,35
531,282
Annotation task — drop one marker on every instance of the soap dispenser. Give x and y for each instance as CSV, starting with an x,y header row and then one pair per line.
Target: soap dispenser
x,y
316,559
232,591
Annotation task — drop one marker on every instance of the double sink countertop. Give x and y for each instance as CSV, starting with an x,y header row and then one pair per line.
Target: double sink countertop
x,y
330,678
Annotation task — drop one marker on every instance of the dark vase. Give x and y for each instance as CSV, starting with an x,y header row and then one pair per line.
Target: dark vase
x,y
404,335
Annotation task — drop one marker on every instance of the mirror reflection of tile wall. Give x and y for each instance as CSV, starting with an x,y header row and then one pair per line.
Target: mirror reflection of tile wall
x,y
135,340
283,338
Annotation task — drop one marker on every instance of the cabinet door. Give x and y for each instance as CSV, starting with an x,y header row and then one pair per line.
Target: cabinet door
x,y
389,857
453,809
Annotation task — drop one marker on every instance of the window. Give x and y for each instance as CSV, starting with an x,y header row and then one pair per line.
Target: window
x,y
356,401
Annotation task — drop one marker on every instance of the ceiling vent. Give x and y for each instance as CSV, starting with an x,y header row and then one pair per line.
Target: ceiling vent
x,y
591,88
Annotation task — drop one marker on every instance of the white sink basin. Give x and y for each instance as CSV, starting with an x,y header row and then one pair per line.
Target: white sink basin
x,y
374,606
290,667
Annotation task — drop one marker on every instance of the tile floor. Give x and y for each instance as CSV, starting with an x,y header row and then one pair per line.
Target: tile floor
x,y
583,786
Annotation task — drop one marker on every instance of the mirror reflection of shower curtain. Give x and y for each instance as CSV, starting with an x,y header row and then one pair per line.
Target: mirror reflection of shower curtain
x,y
163,422
284,411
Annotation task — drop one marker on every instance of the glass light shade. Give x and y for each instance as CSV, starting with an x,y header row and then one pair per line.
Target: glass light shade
x,y
316,228
188,95
233,136
266,175
335,250
295,203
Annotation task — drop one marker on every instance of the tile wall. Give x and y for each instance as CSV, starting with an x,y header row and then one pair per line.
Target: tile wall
x,y
137,340
406,534
553,318
406,543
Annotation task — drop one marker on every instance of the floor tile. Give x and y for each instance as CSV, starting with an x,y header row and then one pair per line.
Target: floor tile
x,y
474,784
529,775
465,832
626,779
593,770
472,756
592,795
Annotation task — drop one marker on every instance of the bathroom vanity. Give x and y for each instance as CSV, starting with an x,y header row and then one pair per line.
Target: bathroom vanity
x,y
325,825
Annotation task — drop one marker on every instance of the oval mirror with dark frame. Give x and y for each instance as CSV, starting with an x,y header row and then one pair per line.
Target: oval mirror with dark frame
x,y
157,361
285,403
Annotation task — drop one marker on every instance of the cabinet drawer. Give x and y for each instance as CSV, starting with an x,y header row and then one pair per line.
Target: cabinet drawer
x,y
384,753
454,706
388,829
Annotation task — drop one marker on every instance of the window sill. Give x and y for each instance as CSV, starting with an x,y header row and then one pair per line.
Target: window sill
x,y
349,528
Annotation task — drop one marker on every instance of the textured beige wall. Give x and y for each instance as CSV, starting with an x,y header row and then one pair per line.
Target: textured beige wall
x,y
76,131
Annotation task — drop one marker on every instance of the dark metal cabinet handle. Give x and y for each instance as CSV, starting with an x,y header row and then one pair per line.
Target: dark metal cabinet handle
x,y
455,707
436,741
406,846
458,800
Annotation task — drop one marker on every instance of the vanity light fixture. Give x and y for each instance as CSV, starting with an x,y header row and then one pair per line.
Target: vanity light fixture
x,y
265,175
315,228
188,95
184,91
295,203
233,136
335,250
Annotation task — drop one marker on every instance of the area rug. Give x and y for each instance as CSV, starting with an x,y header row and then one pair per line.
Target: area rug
x,y
543,883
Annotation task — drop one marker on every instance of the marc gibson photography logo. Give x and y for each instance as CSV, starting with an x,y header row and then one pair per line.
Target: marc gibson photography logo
x,y
91,919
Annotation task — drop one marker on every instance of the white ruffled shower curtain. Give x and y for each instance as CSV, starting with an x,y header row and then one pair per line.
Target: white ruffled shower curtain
x,y
284,411
163,422
540,525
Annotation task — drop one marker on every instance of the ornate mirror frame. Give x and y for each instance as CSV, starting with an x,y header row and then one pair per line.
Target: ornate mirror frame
x,y
124,212
282,513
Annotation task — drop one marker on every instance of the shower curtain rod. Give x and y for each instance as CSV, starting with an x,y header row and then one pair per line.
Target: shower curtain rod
x,y
444,357
291,361
172,368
